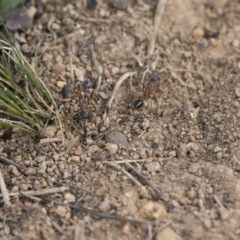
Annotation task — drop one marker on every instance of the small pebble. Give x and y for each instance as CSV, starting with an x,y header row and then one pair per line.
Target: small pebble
x,y
167,234
217,149
153,210
191,194
93,149
68,197
61,211
119,4
198,32
104,206
116,137
15,171
47,57
61,84
30,171
24,187
37,185
112,148
75,158
153,166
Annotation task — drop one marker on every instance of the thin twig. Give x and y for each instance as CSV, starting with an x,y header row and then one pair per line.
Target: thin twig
x,y
157,19
118,84
124,172
4,190
36,199
8,161
130,160
99,82
41,192
130,166
217,200
50,140
104,215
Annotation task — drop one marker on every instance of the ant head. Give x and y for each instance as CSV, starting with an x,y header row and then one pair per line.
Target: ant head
x,y
82,115
138,103
86,84
154,78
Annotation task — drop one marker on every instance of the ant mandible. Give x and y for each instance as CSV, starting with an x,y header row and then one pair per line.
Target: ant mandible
x,y
84,100
146,91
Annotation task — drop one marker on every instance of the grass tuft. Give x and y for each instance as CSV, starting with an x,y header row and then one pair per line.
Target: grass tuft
x,y
25,101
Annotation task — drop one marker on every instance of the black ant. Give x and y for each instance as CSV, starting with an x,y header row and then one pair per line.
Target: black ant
x,y
146,91
84,99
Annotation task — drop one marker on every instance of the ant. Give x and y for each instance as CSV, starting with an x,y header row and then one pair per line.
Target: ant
x,y
84,99
146,91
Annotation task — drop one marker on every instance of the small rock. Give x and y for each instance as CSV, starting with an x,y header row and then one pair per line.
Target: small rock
x,y
217,149
78,152
44,183
167,234
56,157
153,166
37,185
75,158
68,197
104,206
219,155
154,145
42,167
198,32
191,194
116,137
61,211
214,42
79,74
114,70
93,149
59,67
30,171
120,4
112,148
31,11
49,132
24,187
15,171
126,229
103,95
55,26
235,43
47,57
153,210
237,90
15,189
172,154
61,84
40,158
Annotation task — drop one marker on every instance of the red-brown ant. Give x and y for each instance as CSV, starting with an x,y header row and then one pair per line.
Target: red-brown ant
x,y
84,99
146,91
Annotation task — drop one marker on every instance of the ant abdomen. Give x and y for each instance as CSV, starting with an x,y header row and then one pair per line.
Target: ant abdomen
x,y
82,115
138,103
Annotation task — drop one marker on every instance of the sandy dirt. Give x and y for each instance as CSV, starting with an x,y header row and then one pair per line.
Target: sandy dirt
x,y
184,140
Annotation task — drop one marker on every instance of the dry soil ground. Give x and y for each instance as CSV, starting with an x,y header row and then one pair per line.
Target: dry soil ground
x,y
187,135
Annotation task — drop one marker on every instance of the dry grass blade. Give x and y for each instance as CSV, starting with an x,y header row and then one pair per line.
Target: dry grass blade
x,y
26,102
4,190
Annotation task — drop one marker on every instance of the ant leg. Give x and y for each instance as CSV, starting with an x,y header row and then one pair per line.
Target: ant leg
x,y
79,94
